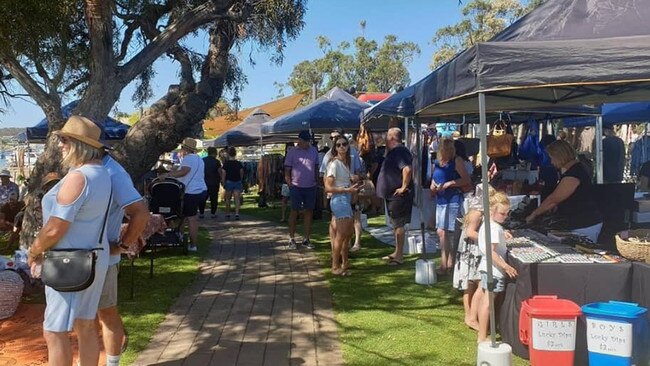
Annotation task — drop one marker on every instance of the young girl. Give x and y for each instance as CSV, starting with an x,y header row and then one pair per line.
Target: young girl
x,y
466,273
338,183
499,209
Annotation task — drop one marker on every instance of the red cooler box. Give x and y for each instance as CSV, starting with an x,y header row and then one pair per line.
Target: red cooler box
x,y
548,326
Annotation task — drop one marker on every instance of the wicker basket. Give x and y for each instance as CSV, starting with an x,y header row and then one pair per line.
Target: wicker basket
x,y
631,247
11,288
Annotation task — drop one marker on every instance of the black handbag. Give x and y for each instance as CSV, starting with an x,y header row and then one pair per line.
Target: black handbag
x,y
72,270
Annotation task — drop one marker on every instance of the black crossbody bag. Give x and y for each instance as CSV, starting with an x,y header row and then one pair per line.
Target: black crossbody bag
x,y
72,270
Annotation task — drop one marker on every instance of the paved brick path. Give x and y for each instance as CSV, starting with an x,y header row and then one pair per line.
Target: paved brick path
x,y
254,303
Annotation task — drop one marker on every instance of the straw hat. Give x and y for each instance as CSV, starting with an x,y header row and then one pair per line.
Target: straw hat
x,y
82,129
189,143
5,173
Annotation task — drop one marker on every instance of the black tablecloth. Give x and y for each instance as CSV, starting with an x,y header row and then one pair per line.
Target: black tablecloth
x,y
580,283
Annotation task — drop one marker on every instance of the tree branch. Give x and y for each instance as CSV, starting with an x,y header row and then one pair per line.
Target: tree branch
x,y
191,20
41,97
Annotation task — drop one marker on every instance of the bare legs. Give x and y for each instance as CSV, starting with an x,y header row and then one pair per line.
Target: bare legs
x,y
227,197
236,197
59,350
193,226
446,251
471,302
483,316
341,232
357,231
285,203
307,218
112,330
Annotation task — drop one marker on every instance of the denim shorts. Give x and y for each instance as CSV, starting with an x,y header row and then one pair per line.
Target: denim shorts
x,y
341,205
446,215
302,198
233,186
500,285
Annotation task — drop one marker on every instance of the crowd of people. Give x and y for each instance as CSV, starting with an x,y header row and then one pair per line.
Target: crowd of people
x,y
96,190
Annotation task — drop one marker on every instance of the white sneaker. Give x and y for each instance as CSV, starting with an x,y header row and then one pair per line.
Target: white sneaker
x,y
192,248
292,244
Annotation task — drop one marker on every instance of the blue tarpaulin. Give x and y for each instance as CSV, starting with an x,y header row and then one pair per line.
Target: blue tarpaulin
x,y
111,130
336,109
615,113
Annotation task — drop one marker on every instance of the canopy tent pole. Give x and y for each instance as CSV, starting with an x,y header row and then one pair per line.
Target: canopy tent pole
x,y
486,215
599,149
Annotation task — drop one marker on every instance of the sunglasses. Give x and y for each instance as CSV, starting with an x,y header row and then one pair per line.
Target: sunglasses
x,y
334,137
342,144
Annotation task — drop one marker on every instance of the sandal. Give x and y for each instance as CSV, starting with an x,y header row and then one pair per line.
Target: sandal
x,y
394,262
388,258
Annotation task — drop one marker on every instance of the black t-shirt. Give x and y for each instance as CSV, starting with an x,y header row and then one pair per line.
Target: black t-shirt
x,y
233,170
211,172
613,159
644,171
580,209
390,176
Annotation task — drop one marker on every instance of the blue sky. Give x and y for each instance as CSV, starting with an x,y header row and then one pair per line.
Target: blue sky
x,y
410,20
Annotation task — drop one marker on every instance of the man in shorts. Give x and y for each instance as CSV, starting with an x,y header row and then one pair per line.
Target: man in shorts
x,y
395,185
300,174
126,200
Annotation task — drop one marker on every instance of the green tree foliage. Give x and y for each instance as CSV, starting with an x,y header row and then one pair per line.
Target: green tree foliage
x,y
482,20
363,64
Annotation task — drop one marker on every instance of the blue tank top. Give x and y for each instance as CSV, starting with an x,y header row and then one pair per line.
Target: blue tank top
x,y
442,174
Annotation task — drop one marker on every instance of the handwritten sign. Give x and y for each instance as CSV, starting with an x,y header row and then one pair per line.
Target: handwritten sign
x,y
554,334
609,338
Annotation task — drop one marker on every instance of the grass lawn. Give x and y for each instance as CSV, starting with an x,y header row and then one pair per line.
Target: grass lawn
x,y
383,316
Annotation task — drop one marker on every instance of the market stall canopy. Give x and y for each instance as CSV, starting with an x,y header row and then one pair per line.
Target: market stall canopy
x,y
112,129
402,105
219,125
565,52
335,109
615,113
248,133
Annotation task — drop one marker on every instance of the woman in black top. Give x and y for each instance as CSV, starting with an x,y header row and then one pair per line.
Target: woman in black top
x,y
573,197
233,171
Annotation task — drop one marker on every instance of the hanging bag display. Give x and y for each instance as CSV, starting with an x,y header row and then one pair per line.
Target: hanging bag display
x,y
71,270
499,142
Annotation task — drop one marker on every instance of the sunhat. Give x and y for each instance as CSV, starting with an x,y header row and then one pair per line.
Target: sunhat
x,y
82,129
189,143
5,173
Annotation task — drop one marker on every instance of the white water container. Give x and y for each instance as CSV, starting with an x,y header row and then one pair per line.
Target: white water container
x,y
501,355
425,272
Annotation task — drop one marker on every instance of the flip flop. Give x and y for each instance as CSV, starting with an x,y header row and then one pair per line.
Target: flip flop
x,y
387,258
394,262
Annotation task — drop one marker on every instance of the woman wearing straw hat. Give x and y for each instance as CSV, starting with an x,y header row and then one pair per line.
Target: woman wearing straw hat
x,y
73,213
191,174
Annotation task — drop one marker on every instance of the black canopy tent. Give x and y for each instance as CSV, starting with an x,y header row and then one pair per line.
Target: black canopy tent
x,y
565,52
249,133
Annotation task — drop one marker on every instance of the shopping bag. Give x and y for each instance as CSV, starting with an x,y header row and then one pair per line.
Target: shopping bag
x,y
499,142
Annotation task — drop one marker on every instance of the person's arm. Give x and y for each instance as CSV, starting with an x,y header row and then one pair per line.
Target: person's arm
x,y
287,175
462,172
138,214
473,224
564,190
501,263
55,227
406,181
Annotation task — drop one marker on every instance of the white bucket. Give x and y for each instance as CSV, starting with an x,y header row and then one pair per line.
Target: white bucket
x,y
501,355
425,272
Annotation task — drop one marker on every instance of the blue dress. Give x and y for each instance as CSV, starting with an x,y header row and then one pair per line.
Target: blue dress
x,y
86,216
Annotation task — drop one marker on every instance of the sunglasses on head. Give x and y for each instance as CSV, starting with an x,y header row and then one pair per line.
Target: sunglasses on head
x,y
341,144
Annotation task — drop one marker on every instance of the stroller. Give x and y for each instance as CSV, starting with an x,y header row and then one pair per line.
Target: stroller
x,y
166,199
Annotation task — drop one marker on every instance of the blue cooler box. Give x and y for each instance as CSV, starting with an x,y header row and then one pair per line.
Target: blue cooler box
x,y
617,333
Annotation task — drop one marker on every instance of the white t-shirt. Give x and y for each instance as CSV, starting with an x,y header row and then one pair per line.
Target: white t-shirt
x,y
340,172
496,236
193,180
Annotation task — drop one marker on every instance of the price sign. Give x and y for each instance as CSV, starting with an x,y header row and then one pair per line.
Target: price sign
x,y
609,338
554,334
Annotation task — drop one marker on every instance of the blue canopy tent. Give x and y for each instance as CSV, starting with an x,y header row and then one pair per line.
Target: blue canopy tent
x,y
248,133
336,109
615,113
113,130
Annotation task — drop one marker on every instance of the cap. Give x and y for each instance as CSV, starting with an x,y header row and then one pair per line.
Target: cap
x,y
304,135
5,173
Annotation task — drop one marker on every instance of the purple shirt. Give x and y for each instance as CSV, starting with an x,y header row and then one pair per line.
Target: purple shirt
x,y
303,164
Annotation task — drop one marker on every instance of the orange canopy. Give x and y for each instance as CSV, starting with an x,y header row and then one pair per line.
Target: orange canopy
x,y
217,126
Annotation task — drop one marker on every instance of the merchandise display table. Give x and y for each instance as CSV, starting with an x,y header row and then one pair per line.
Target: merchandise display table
x,y
581,283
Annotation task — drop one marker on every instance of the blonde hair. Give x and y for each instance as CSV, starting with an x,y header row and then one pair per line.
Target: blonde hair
x,y
446,150
499,198
80,153
561,151
479,199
